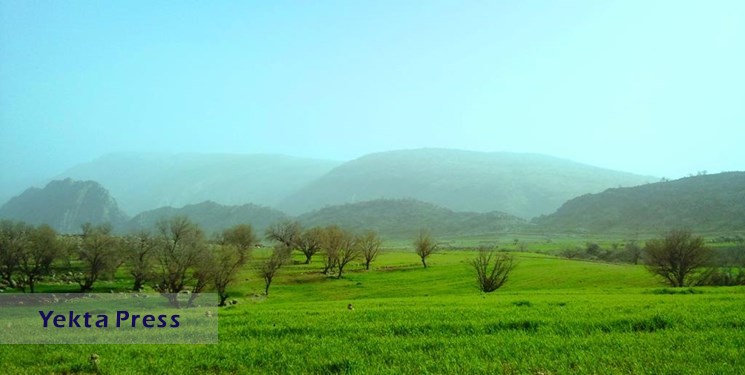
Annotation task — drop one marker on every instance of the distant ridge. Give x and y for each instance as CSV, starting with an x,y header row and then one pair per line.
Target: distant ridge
x,y
712,203
701,203
524,185
403,218
391,218
65,205
145,181
211,217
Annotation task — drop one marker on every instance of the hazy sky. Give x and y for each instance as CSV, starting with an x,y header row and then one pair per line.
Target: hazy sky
x,y
652,87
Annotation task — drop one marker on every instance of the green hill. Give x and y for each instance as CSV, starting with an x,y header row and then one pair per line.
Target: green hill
x,y
403,218
525,185
702,203
211,216
144,181
64,205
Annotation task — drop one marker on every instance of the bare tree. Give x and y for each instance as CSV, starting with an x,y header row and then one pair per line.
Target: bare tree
x,y
286,233
227,262
98,252
492,269
677,257
369,244
347,252
181,248
340,248
309,242
139,253
633,251
36,256
332,241
269,268
202,273
240,236
230,254
424,246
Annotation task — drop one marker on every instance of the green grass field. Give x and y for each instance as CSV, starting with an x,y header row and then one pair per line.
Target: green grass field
x,y
554,316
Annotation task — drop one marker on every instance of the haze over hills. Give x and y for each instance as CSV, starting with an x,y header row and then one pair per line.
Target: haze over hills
x,y
701,203
211,217
65,205
524,185
403,218
391,218
144,181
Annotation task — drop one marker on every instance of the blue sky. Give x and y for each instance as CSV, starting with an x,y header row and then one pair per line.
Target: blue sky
x,y
652,87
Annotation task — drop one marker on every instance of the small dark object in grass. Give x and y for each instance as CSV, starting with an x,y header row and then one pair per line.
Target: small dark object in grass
x,y
677,291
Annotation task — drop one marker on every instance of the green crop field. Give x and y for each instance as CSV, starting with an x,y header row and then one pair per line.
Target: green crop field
x,y
554,316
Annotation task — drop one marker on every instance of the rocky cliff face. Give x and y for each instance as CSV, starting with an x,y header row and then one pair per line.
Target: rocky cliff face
x,y
65,205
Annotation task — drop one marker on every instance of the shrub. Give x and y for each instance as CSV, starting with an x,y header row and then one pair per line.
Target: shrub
x,y
492,269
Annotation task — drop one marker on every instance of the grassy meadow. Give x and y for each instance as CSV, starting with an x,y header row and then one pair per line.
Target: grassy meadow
x,y
554,316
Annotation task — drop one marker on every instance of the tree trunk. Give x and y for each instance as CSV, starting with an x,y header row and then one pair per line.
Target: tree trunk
x,y
307,258
172,299
192,297
223,297
424,262
86,286
367,265
266,290
138,284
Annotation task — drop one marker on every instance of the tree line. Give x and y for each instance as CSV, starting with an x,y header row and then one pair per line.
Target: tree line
x,y
174,257
679,258
338,247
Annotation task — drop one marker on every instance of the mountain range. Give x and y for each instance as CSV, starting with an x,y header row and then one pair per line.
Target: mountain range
x,y
145,181
713,203
396,192
66,205
524,185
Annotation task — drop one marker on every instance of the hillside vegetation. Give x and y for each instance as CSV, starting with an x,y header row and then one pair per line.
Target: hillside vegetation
x,y
211,216
702,203
65,205
712,203
404,218
524,185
